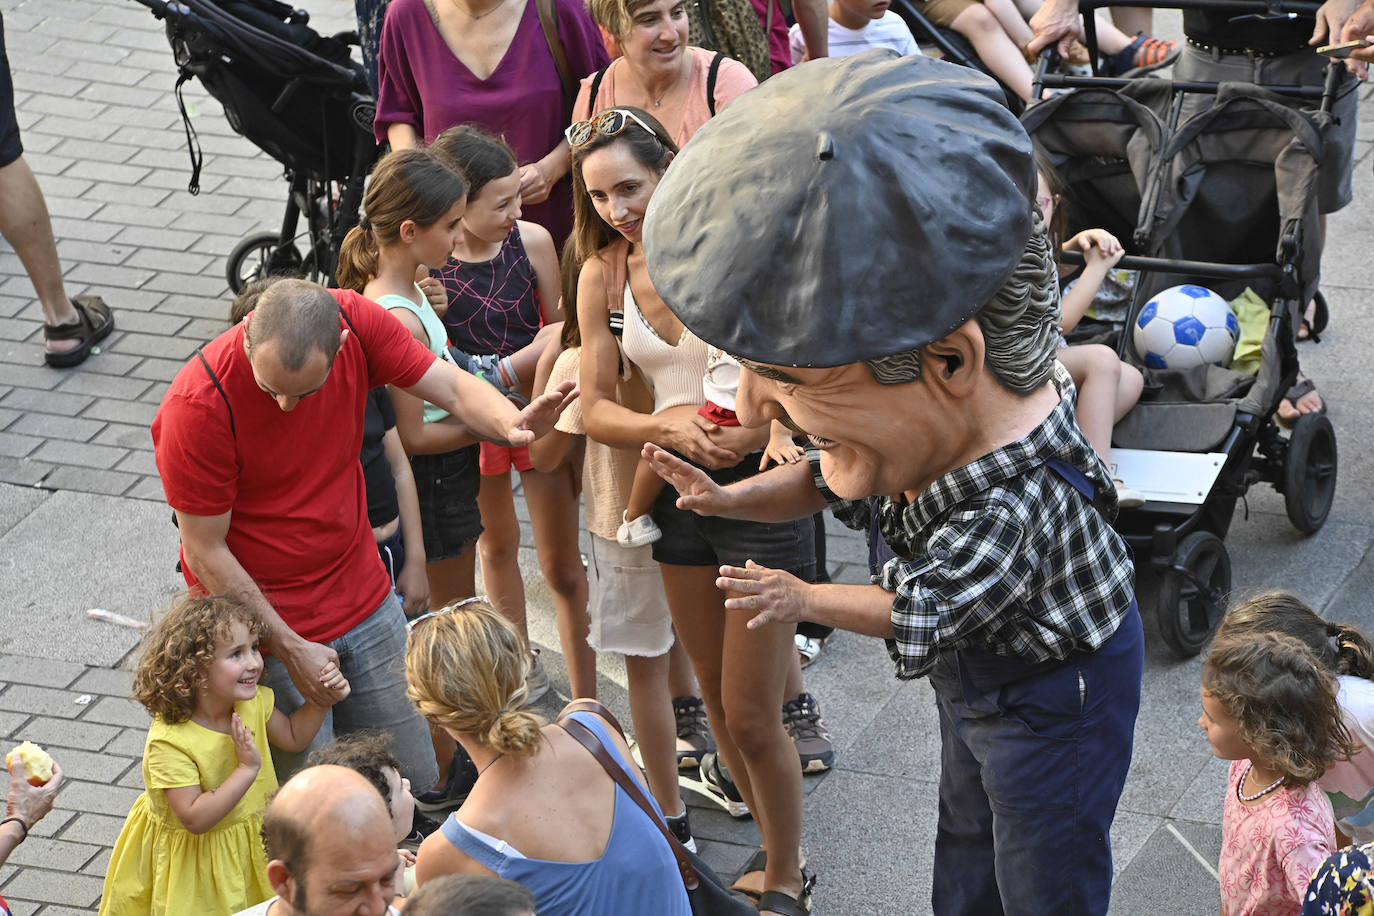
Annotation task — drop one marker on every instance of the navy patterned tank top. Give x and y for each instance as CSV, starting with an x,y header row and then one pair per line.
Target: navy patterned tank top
x,y
493,306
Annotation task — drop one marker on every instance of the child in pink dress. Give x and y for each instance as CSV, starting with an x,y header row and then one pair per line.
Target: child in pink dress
x,y
1268,706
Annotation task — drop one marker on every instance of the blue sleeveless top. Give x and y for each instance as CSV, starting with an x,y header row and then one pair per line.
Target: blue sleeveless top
x,y
636,873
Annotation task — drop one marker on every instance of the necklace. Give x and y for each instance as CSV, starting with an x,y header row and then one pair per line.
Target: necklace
x,y
475,16
487,766
1240,786
657,102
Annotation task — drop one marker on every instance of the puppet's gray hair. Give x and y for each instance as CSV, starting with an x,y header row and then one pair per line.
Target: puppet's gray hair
x,y
1020,325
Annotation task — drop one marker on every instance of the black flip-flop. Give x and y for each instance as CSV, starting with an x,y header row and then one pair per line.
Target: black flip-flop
x,y
1293,395
93,324
787,905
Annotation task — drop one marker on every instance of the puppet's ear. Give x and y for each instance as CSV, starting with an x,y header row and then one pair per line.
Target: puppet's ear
x,y
955,361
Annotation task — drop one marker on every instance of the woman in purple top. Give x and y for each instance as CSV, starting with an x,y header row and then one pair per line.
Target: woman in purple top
x,y
487,62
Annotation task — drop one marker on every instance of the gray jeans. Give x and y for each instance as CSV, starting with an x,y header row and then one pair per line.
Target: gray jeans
x,y
372,657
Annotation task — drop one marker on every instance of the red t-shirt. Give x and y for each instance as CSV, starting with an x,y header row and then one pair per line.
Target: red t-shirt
x,y
293,480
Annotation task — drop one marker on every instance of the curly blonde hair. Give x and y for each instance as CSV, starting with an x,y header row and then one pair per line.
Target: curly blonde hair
x,y
465,671
179,647
1283,701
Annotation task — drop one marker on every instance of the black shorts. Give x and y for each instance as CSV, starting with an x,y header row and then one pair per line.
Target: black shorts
x,y
447,485
10,146
696,540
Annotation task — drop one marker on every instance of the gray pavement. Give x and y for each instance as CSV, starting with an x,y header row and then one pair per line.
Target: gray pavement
x,y
82,525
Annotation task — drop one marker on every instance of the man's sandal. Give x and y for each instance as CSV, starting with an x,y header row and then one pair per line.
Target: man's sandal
x,y
787,905
93,323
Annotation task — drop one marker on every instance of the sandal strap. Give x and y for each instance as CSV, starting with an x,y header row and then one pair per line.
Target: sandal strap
x,y
84,325
782,904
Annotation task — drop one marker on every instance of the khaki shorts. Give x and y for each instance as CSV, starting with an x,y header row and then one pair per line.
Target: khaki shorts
x,y
944,12
627,604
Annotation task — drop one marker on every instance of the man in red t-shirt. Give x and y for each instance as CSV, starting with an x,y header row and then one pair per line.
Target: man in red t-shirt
x,y
257,443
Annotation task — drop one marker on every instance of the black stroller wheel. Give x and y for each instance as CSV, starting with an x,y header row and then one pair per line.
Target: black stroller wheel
x,y
260,256
1193,591
1309,472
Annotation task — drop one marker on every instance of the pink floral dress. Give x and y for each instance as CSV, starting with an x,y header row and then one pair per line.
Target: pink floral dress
x,y
1270,850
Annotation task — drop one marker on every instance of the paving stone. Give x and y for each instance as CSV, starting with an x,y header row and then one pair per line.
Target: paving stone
x,y
71,108
149,488
159,370
57,854
40,701
79,453
95,151
73,252
122,95
140,461
8,416
162,159
107,171
138,195
67,207
213,306
22,471
90,480
54,887
83,229
102,387
108,275
48,84
96,828
129,741
145,237
53,824
97,866
209,286
78,795
155,393
135,412
155,345
183,263
11,721
16,446
50,426
40,672
125,436
62,402
114,710
110,681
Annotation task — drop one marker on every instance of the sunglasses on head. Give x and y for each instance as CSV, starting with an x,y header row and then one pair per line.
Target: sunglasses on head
x,y
414,623
608,123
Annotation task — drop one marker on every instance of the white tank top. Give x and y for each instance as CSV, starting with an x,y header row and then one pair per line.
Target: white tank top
x,y
674,373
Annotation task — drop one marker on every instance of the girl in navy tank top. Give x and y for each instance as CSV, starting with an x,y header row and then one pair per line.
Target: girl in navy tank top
x,y
503,287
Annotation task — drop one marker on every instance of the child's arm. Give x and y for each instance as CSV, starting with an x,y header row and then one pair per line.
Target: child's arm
x,y
1101,252
781,447
544,259
411,580
548,451
199,811
294,732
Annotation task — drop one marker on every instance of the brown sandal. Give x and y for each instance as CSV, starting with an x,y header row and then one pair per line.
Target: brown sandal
x,y
93,324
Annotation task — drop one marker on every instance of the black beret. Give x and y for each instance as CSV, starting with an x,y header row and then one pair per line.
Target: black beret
x,y
846,209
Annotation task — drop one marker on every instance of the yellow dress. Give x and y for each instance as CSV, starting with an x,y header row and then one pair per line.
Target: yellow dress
x,y
159,867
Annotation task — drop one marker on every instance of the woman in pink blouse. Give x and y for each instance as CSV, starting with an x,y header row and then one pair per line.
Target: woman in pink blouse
x,y
487,62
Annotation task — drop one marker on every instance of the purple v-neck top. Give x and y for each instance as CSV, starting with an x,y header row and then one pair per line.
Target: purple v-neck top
x,y
422,83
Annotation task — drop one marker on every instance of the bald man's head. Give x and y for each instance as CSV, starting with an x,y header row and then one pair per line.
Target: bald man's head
x,y
299,319
329,842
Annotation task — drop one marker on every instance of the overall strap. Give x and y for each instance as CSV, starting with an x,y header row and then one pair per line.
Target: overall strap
x,y
1078,480
220,388
714,72
879,552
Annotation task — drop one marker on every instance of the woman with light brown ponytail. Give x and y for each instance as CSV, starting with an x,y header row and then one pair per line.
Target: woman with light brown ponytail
x,y
543,812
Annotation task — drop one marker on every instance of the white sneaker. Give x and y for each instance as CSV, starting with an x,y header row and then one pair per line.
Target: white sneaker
x,y
637,533
1128,497
536,680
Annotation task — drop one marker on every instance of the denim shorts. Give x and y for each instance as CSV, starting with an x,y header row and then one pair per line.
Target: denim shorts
x,y
447,485
697,540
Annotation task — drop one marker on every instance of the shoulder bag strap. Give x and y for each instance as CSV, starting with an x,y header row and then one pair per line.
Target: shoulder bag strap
x,y
549,24
588,739
356,336
596,87
220,388
711,75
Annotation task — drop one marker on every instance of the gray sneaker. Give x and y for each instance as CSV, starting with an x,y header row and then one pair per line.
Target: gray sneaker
x,y
536,679
802,719
681,828
693,732
484,367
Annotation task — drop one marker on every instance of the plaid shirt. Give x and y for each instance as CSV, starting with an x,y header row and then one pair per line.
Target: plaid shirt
x,y
1002,554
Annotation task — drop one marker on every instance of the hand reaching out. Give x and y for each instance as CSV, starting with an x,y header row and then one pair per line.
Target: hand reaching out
x,y
434,291
541,414
244,746
696,491
773,595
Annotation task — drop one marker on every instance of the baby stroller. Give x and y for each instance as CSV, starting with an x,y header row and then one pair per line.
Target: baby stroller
x,y
1225,200
296,95
951,46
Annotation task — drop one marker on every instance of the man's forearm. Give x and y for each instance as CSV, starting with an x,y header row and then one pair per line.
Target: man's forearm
x,y
865,609
781,494
221,573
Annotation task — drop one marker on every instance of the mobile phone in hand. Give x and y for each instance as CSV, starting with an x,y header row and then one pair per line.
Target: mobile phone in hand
x,y
1342,49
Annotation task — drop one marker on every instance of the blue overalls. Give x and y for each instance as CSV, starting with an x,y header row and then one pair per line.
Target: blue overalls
x,y
1033,759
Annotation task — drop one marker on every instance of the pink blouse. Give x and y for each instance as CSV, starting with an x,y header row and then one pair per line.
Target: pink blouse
x,y
1270,850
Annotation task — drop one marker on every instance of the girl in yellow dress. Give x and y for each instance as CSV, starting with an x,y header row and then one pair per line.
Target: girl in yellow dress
x,y
191,843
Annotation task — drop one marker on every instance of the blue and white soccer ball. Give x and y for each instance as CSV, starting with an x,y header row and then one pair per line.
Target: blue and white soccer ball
x,y
1185,326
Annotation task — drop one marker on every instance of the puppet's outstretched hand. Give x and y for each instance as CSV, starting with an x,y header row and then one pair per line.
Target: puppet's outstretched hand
x,y
772,595
696,491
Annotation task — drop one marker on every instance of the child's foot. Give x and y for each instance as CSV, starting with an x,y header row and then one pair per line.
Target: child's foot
x,y
1141,56
487,368
638,531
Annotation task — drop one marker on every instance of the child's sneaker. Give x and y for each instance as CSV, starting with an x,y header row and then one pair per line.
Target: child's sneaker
x,y
1141,56
536,679
682,829
462,776
722,788
638,532
694,736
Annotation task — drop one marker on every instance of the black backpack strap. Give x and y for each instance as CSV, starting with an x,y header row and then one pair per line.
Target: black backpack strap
x,y
349,321
596,87
220,388
711,81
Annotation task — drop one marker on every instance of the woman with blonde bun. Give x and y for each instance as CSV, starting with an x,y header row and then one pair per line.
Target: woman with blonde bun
x,y
543,812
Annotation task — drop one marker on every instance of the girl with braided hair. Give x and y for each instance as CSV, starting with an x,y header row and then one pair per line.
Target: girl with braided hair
x,y
1269,706
1349,655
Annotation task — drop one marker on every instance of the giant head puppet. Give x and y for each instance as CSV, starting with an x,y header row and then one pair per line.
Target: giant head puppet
x,y
861,233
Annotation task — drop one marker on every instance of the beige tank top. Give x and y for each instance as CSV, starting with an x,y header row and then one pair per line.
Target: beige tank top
x,y
673,371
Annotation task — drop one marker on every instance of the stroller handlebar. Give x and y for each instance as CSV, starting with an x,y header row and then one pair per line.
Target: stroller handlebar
x,y
1213,269
165,9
